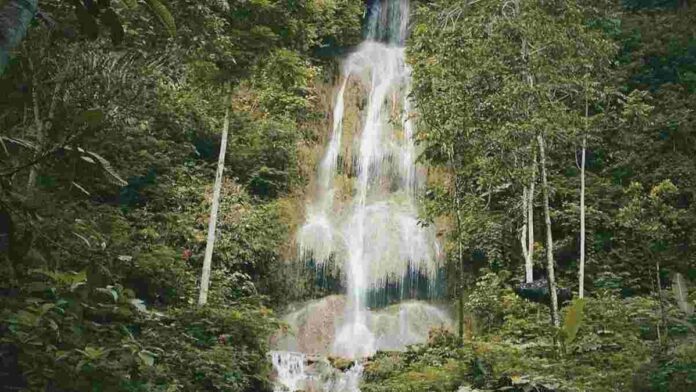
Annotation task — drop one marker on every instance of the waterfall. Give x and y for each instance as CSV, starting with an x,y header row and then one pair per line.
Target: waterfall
x,y
378,237
375,237
290,367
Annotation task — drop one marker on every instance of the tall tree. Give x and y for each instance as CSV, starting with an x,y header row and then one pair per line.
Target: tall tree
x,y
527,236
529,261
212,220
550,264
581,267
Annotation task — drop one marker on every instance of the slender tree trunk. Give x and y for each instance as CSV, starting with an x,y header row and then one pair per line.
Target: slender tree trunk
x,y
529,262
460,250
549,236
663,315
581,272
524,231
212,223
655,294
581,268
461,287
460,259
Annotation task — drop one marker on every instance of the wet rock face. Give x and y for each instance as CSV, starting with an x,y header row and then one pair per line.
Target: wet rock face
x,y
312,326
538,291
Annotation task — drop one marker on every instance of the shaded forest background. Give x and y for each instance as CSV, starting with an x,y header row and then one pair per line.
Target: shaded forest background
x,y
508,95
110,134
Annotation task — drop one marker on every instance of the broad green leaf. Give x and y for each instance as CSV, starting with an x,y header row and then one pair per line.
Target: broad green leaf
x,y
147,357
92,117
572,321
109,291
26,318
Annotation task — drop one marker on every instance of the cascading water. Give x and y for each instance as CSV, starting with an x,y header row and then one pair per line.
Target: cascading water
x,y
375,238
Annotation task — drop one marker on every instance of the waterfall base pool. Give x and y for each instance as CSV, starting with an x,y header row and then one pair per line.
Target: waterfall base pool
x,y
300,356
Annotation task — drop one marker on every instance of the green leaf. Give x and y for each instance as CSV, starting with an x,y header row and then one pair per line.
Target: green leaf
x,y
163,14
572,321
94,353
88,159
147,357
109,290
26,318
92,117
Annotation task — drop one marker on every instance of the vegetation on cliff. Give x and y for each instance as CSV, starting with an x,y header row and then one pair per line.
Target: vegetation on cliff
x,y
111,118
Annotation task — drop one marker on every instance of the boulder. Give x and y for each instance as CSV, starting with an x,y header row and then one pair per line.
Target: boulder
x,y
523,384
538,291
341,364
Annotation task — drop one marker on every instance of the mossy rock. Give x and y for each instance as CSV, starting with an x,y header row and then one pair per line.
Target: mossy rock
x,y
341,364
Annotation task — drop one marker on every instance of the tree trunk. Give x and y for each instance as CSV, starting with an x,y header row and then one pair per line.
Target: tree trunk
x,y
581,272
529,262
456,205
460,259
663,315
549,236
524,231
581,268
212,223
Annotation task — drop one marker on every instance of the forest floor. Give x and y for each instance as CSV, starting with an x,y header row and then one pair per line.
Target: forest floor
x,y
508,345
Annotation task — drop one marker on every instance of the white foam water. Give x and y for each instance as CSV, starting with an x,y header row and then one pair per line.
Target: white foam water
x,y
290,368
293,374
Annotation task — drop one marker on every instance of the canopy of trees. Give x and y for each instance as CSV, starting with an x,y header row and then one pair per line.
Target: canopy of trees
x,y
560,138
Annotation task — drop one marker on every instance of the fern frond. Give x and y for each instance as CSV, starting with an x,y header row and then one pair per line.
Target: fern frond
x,y
116,179
20,142
87,156
130,3
163,14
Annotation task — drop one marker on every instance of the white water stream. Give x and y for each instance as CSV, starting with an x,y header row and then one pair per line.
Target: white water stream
x,y
376,238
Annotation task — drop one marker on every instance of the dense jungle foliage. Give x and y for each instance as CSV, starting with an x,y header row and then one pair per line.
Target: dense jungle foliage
x,y
111,118
494,83
111,115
